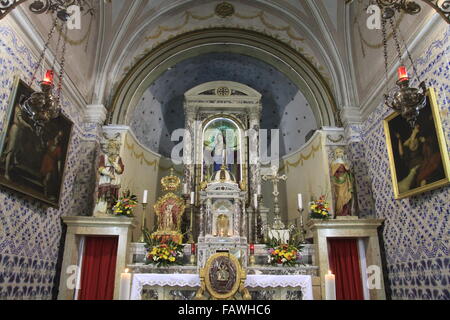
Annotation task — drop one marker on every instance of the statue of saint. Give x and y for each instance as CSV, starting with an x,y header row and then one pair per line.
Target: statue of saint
x,y
342,180
167,223
110,169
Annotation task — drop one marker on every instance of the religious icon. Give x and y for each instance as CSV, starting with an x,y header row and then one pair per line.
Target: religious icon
x,y
418,156
169,211
110,169
342,180
33,157
223,278
221,146
223,225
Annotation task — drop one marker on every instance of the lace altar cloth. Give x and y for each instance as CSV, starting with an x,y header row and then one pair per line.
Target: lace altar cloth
x,y
193,280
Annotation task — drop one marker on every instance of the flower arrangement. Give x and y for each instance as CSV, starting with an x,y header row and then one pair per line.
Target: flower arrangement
x,y
164,253
286,255
320,209
125,205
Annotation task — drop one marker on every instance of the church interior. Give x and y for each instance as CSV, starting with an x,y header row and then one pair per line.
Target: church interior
x,y
224,150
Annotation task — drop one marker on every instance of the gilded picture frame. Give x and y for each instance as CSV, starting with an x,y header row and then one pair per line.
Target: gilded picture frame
x,y
31,162
418,157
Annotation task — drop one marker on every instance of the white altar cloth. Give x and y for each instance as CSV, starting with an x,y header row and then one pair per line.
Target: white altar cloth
x,y
193,280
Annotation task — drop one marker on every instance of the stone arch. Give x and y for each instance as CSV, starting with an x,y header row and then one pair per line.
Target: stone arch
x,y
287,60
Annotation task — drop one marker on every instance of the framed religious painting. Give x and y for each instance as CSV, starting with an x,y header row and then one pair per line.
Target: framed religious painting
x,y
418,156
32,158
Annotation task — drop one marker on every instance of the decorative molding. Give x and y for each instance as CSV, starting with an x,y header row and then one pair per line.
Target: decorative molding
x,y
6,6
95,113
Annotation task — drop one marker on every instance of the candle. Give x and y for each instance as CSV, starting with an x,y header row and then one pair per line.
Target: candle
x,y
192,197
256,201
259,189
330,286
48,79
145,198
402,74
185,188
300,201
193,249
125,285
252,249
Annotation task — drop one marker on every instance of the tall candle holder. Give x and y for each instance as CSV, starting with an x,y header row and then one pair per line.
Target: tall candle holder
x,y
142,238
259,222
191,226
302,227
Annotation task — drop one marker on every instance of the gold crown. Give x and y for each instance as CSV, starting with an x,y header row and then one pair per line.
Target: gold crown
x,y
170,182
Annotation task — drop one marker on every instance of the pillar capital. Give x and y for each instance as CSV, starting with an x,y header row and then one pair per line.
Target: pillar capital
x,y
95,113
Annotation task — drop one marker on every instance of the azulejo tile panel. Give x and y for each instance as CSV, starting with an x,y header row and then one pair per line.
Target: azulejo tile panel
x,y
30,234
416,233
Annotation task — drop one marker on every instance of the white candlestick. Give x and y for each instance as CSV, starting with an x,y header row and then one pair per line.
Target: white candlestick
x,y
259,189
300,201
145,198
185,188
256,201
125,285
192,197
330,286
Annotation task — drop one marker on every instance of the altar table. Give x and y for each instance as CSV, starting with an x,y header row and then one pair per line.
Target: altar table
x,y
192,282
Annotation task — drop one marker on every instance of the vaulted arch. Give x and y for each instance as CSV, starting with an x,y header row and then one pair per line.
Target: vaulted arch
x,y
245,42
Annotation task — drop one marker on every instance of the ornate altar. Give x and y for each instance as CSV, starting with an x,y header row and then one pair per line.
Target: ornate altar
x,y
222,121
222,218
169,210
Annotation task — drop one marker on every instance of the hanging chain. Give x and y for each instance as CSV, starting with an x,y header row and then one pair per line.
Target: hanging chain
x,y
385,48
411,59
397,42
61,71
55,57
42,56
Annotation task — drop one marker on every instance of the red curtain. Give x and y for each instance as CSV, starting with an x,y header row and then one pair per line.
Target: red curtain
x,y
99,268
344,263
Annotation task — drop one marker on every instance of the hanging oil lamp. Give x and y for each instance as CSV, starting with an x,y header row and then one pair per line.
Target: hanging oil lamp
x,y
404,99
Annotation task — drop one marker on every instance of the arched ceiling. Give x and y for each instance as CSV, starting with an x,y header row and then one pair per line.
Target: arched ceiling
x,y
160,110
314,28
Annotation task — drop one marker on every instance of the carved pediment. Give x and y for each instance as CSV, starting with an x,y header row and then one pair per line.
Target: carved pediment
x,y
213,187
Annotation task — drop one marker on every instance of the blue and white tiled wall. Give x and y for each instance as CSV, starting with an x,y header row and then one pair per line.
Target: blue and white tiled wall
x,y
30,234
416,231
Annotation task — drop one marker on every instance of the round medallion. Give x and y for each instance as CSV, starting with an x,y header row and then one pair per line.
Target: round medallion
x,y
222,275
223,91
224,10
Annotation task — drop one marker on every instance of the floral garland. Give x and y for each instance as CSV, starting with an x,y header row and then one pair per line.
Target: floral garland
x,y
320,209
125,205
